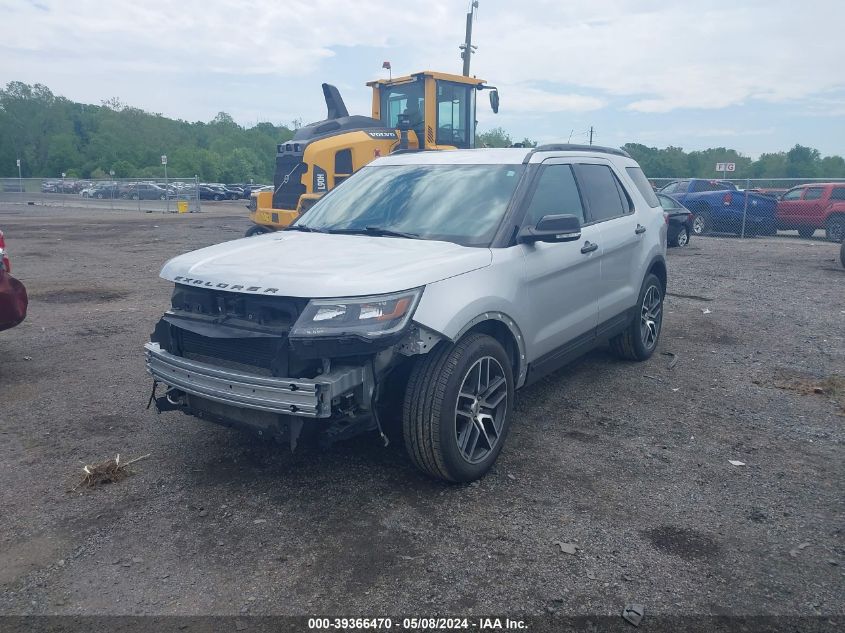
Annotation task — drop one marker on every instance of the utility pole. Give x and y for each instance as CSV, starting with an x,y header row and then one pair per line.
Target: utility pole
x,y
591,134
467,49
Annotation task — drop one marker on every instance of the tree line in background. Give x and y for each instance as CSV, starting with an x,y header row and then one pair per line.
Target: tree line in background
x,y
51,135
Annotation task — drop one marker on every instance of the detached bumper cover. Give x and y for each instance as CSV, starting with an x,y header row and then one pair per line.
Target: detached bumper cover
x,y
288,396
13,301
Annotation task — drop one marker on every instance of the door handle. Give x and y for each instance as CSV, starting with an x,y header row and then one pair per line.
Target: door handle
x,y
589,247
640,229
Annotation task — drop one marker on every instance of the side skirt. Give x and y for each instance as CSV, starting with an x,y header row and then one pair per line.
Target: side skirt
x,y
579,346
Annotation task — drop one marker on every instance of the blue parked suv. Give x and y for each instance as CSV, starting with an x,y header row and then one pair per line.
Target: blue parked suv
x,y
717,205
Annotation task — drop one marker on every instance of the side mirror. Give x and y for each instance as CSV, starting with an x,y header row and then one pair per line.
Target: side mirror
x,y
494,100
552,228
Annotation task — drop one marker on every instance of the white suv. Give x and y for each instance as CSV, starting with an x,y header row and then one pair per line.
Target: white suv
x,y
427,288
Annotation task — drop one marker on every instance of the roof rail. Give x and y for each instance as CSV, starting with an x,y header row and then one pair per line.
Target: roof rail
x,y
570,147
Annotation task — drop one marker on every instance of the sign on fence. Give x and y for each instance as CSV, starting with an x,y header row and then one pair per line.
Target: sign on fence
x,y
725,167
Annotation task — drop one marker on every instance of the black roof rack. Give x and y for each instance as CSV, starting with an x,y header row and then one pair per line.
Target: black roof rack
x,y
570,147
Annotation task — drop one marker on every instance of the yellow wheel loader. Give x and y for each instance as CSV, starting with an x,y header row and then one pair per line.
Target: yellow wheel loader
x,y
426,110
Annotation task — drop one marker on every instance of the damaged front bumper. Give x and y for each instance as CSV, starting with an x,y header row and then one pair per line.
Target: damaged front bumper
x,y
308,398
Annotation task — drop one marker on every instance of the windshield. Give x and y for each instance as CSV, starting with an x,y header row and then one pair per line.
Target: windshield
x,y
453,203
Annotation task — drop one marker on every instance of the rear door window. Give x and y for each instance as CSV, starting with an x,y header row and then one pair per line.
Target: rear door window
x,y
602,192
814,193
556,194
838,193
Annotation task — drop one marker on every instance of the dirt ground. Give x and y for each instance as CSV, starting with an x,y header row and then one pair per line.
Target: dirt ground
x,y
628,462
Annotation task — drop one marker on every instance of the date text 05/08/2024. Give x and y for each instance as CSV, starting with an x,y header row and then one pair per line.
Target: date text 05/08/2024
x,y
376,624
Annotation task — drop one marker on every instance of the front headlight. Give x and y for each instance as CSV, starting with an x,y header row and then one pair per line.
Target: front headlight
x,y
368,317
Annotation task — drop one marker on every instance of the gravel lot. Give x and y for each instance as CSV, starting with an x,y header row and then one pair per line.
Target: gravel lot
x,y
629,462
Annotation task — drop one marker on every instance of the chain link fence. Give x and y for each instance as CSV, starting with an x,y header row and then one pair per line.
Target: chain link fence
x,y
176,195
806,207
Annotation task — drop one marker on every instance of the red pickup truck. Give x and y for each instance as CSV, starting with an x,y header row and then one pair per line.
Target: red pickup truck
x,y
811,207
13,299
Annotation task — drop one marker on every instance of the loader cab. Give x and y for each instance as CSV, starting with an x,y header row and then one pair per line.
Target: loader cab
x,y
440,107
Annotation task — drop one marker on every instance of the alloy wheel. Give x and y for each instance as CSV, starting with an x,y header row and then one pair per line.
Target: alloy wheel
x,y
683,238
651,317
698,225
481,409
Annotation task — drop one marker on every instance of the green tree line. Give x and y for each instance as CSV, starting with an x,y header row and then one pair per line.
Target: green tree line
x,y
51,135
674,162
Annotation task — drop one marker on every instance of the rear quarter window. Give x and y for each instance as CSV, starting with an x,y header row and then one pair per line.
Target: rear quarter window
x,y
636,174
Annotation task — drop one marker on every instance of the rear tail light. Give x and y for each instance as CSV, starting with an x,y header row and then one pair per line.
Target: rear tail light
x,y
727,199
666,218
690,216
4,259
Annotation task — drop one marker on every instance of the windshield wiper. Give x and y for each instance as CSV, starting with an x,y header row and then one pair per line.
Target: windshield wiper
x,y
376,231
306,229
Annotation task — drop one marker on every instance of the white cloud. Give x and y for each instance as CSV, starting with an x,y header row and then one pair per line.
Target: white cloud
x,y
547,56
521,98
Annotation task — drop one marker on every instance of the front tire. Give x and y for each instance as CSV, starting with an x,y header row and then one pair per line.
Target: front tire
x,y
701,222
640,338
835,228
456,412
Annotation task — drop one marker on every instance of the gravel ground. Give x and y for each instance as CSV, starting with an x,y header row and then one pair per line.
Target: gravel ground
x,y
627,462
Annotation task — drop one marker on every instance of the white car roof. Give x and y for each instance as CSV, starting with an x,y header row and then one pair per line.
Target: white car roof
x,y
509,156
502,156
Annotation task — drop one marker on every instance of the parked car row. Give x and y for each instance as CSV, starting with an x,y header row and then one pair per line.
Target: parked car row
x,y
149,190
718,205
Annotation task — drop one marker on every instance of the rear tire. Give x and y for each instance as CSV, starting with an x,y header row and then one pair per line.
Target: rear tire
x,y
835,228
640,338
806,232
256,230
456,412
682,238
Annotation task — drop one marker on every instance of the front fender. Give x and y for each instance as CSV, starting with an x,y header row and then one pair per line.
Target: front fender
x,y
455,305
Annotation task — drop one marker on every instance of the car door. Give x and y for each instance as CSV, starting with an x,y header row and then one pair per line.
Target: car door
x,y
789,207
813,206
561,279
610,207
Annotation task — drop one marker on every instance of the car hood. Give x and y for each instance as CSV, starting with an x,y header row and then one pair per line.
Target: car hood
x,y
296,264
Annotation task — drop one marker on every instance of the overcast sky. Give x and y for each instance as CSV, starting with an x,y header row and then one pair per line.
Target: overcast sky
x,y
754,75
